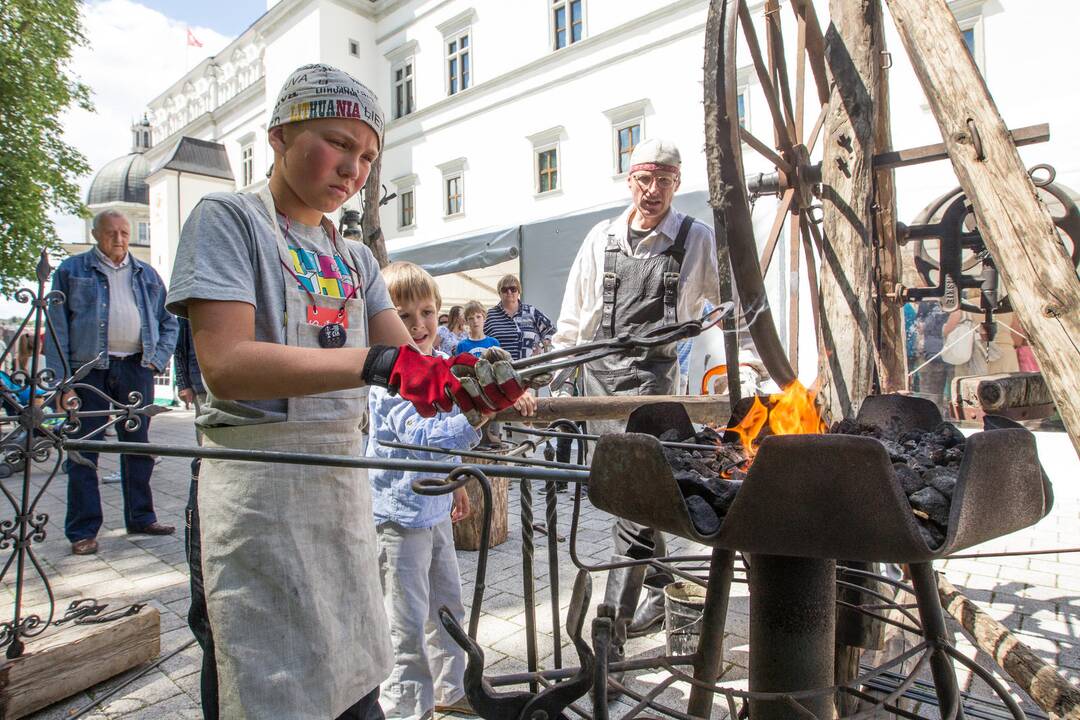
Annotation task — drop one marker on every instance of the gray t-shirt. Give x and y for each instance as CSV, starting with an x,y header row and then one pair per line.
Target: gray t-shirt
x,y
228,251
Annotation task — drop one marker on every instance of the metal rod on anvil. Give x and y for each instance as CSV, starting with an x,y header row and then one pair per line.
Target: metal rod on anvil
x,y
585,436
294,458
701,408
482,455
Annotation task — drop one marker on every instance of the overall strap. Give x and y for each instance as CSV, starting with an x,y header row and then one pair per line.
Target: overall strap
x,y
611,284
673,271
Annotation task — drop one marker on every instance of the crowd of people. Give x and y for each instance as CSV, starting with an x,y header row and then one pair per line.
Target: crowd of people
x,y
315,590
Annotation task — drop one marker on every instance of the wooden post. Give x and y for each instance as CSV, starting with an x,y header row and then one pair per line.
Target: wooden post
x,y
1016,227
891,353
373,236
846,337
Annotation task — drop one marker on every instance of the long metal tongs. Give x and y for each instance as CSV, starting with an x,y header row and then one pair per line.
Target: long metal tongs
x,y
548,363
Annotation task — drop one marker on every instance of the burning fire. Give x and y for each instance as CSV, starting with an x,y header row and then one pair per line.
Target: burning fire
x,y
791,412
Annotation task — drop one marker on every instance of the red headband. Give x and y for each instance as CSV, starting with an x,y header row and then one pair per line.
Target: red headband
x,y
653,167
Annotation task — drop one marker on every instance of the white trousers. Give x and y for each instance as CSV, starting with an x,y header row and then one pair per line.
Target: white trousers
x,y
419,573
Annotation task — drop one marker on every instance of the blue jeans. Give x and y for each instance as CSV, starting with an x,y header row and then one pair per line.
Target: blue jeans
x,y
123,376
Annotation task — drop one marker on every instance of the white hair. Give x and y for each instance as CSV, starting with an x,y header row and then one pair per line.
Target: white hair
x,y
108,213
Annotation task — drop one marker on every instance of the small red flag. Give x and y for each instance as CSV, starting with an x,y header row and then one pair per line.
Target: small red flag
x,y
192,41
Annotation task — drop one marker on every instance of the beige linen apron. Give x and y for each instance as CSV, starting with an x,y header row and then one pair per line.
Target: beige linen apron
x,y
289,552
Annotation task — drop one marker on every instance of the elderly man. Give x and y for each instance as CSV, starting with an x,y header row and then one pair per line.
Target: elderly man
x,y
113,315
650,266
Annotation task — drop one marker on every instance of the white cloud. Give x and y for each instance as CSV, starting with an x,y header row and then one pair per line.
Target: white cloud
x,y
133,54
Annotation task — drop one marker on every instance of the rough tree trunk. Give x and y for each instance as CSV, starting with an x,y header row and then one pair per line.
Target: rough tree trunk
x,y
846,344
373,236
1015,226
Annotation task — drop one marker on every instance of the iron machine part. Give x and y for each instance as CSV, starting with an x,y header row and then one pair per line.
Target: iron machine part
x,y
950,255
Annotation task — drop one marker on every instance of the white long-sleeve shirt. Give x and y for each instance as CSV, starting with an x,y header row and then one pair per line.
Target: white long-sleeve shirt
x,y
583,300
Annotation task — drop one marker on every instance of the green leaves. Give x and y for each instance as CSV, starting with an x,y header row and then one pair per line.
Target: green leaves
x,y
38,171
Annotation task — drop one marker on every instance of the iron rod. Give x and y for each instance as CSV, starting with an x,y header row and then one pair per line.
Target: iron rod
x,y
935,632
528,581
482,455
710,651
593,438
295,458
552,519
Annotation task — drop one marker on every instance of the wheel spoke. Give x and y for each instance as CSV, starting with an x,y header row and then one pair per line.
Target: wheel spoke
x,y
750,34
774,232
793,288
800,80
811,268
815,46
778,64
812,138
769,154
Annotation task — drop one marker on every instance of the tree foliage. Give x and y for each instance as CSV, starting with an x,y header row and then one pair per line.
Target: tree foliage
x,y
38,170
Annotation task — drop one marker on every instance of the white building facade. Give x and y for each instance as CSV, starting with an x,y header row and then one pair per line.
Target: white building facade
x,y
503,113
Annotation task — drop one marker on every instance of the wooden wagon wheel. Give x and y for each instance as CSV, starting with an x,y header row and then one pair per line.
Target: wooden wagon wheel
x,y
794,178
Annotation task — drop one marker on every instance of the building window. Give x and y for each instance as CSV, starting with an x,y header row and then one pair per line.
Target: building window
x,y
455,194
354,48
458,57
247,164
741,101
144,234
547,164
627,130
969,39
627,138
567,22
403,88
406,209
406,198
969,18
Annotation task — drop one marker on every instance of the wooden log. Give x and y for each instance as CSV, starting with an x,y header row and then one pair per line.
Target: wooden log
x,y
701,408
72,658
846,337
1016,227
467,531
1020,396
371,222
1039,680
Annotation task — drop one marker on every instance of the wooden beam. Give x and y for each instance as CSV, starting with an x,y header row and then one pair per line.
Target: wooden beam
x,y
701,408
929,153
372,224
846,336
68,660
1039,680
1016,227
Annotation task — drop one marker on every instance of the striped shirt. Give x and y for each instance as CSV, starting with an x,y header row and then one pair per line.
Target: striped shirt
x,y
522,334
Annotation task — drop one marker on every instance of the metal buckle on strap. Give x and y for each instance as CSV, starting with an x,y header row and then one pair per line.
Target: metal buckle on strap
x,y
611,283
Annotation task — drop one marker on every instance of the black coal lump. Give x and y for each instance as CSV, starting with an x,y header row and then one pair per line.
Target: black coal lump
x,y
895,450
933,503
723,494
707,436
947,435
677,459
690,483
910,480
942,479
933,535
670,435
702,515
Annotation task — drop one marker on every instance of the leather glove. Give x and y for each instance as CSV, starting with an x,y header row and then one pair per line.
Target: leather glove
x,y
490,380
435,384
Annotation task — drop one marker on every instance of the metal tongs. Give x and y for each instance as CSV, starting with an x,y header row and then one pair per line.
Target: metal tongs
x,y
546,364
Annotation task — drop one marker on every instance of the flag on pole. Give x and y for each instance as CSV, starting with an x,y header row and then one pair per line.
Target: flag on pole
x,y
192,41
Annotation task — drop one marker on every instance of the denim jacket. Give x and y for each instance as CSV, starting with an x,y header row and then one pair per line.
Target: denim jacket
x,y
185,364
81,322
392,497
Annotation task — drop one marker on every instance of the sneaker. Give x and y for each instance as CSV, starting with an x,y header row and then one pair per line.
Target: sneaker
x,y
113,477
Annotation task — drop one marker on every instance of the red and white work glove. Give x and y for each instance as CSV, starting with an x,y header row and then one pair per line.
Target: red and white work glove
x,y
433,384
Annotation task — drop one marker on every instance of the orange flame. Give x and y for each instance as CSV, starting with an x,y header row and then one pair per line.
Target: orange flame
x,y
791,412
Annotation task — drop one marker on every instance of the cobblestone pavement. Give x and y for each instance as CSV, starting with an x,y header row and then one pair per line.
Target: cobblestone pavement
x,y
1038,597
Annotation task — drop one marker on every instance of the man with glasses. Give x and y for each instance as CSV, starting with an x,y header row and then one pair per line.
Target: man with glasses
x,y
648,267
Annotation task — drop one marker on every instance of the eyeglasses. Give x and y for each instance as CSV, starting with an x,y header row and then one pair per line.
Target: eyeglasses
x,y
507,290
645,181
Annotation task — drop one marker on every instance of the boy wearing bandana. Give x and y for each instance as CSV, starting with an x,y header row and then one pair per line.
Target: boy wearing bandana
x,y
290,323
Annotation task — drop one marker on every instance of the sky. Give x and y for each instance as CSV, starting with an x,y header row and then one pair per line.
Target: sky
x,y
134,51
